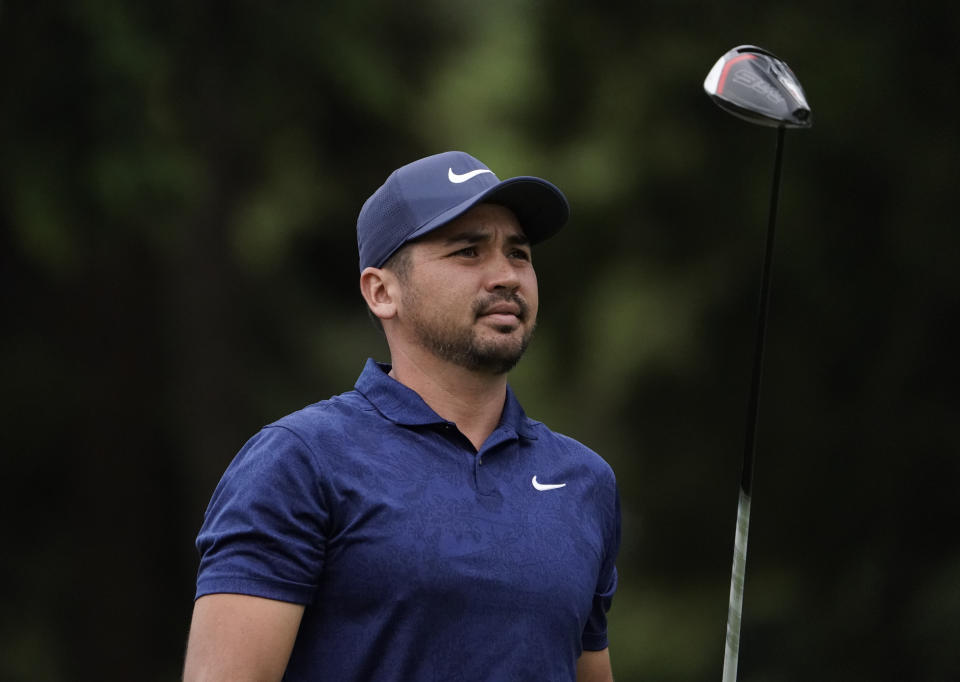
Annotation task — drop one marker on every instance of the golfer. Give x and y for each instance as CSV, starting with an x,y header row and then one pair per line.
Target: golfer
x,y
421,526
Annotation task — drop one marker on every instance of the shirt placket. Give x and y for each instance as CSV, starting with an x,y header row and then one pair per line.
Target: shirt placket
x,y
498,446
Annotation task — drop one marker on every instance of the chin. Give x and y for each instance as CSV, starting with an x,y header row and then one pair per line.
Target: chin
x,y
499,358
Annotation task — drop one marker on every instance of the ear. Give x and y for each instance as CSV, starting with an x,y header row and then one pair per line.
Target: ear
x,y
378,287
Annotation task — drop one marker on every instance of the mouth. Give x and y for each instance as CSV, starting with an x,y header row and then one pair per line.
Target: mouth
x,y
502,309
504,312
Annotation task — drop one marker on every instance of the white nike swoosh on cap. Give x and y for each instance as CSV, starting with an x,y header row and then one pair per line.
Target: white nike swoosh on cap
x,y
545,486
458,177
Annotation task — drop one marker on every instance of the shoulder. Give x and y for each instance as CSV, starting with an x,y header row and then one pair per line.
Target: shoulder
x,y
292,456
565,446
336,413
297,439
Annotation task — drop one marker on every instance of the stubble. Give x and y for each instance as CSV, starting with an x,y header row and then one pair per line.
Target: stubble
x,y
463,345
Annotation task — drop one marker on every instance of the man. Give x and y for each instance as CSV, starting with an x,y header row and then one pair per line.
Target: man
x,y
419,527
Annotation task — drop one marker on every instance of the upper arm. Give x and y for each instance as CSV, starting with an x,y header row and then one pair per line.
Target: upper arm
x,y
240,638
594,666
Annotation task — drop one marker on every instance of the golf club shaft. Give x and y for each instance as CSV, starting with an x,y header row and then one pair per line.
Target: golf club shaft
x,y
738,572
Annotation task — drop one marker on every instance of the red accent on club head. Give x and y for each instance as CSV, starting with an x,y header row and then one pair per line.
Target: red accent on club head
x,y
726,68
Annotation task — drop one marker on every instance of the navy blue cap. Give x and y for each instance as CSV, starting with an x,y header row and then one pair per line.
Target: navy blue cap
x,y
429,193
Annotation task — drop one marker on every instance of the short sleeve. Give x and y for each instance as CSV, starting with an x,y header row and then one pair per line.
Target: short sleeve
x,y
264,531
595,632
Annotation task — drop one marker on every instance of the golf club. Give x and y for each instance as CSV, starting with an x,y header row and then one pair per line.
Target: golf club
x,y
753,84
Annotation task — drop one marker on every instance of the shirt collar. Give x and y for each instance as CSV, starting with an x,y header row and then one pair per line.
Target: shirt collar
x,y
403,405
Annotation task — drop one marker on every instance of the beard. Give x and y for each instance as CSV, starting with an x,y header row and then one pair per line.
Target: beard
x,y
463,345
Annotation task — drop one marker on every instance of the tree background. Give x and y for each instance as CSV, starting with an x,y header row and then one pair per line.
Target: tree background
x,y
180,184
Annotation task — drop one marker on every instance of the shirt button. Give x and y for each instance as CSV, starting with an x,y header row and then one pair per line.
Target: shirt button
x,y
480,462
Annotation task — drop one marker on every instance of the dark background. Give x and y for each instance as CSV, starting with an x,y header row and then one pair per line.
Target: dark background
x,y
180,184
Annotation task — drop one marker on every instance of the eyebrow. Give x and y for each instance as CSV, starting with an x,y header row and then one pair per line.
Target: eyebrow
x,y
477,236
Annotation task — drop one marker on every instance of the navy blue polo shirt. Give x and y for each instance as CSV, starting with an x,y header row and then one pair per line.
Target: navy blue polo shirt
x,y
417,557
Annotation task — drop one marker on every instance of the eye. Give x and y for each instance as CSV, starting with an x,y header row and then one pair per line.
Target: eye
x,y
520,254
467,251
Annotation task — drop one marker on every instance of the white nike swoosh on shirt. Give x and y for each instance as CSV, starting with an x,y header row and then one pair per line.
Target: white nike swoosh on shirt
x,y
545,486
463,177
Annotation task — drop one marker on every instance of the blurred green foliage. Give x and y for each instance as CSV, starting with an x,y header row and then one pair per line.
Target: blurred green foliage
x,y
180,183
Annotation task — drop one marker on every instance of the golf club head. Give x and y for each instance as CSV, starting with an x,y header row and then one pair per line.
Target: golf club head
x,y
755,85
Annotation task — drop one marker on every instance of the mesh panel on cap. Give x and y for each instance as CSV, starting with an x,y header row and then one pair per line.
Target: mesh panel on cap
x,y
388,223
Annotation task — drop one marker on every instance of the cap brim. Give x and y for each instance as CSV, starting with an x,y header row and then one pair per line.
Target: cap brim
x,y
540,207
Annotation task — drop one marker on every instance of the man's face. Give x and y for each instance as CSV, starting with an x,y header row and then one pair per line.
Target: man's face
x,y
470,292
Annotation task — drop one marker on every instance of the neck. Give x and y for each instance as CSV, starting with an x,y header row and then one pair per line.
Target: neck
x,y
471,400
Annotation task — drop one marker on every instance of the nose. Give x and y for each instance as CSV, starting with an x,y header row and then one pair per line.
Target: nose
x,y
503,273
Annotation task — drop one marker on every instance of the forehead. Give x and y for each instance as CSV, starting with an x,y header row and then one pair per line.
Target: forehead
x,y
481,220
